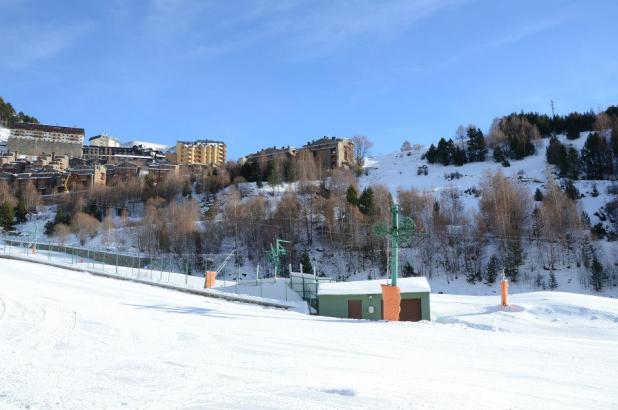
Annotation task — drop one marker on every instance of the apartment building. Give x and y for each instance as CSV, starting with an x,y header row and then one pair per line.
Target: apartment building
x,y
328,152
103,140
36,139
105,154
332,152
201,152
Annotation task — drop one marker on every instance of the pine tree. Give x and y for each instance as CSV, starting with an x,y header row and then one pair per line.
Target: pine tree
x,y
491,272
366,202
556,153
352,196
571,168
458,156
538,195
7,216
596,157
595,191
553,283
598,275
21,213
499,155
305,260
539,281
407,270
571,191
514,259
477,150
431,154
585,218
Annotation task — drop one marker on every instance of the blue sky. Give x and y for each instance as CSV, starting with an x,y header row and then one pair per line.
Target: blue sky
x,y
264,73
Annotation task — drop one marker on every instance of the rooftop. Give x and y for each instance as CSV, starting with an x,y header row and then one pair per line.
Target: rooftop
x,y
47,128
372,287
197,142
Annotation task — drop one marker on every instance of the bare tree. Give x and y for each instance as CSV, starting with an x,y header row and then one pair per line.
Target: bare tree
x,y
61,233
31,196
108,227
406,146
362,146
504,207
6,195
84,226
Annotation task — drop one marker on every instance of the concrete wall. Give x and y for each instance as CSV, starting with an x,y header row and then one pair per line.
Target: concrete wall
x,y
37,147
337,305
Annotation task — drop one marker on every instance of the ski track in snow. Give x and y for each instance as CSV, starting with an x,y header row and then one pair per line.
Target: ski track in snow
x,y
75,341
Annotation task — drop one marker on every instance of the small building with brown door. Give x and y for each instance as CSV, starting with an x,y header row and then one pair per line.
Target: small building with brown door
x,y
363,299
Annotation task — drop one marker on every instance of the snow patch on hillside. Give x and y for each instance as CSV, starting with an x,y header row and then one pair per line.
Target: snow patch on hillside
x,y
4,134
145,144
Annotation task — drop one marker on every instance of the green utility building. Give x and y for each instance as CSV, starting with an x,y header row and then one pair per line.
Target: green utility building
x,y
363,299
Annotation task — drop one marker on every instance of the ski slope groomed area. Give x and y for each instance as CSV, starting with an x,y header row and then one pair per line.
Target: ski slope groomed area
x,y
70,340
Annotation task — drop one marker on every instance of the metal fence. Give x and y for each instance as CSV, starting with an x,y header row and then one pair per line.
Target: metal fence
x,y
189,264
164,269
306,286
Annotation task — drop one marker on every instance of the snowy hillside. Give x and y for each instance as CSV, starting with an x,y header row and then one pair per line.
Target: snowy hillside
x,y
399,171
74,341
145,144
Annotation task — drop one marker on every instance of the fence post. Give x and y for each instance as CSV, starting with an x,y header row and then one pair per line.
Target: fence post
x,y
116,262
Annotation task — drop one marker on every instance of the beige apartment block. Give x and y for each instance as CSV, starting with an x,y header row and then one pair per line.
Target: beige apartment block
x,y
201,152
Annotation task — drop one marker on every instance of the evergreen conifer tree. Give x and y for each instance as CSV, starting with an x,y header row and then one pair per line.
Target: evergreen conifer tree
x,y
597,275
571,167
305,260
571,191
352,196
7,217
538,195
596,157
499,155
553,283
513,260
366,202
477,150
491,272
21,213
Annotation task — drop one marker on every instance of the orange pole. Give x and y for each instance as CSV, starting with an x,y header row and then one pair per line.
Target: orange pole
x,y
33,249
209,279
391,297
504,288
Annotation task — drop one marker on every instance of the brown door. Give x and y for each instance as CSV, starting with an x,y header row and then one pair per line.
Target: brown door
x,y
355,309
410,310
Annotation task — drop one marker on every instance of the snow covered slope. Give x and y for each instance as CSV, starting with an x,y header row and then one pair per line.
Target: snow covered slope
x,y
73,341
145,144
399,171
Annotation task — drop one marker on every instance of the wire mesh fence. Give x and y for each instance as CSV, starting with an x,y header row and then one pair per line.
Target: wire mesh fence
x,y
178,270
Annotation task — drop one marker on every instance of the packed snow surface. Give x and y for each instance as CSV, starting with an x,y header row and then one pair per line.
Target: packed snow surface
x,y
74,341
